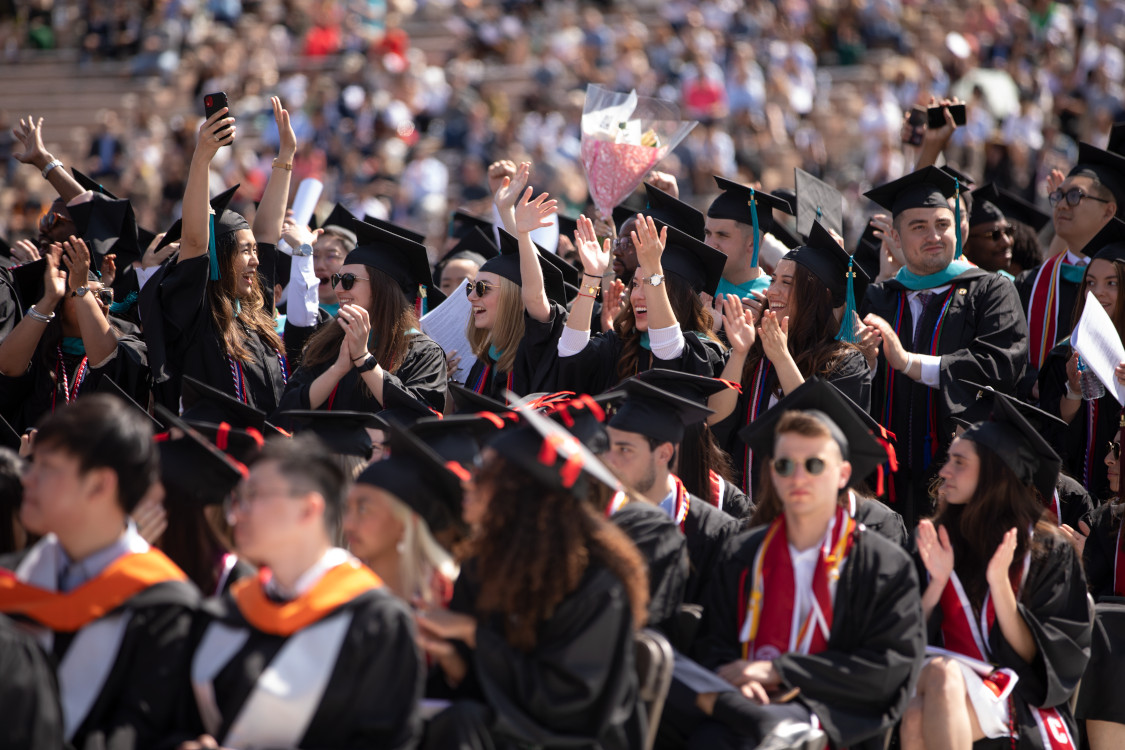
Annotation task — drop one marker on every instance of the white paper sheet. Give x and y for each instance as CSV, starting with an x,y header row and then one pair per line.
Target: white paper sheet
x,y
446,324
1096,341
304,204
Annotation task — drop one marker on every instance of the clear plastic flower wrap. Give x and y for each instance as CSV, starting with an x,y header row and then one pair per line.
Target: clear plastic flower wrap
x,y
623,137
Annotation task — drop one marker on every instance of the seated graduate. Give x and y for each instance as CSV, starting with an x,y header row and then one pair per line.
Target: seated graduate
x,y
518,300
32,714
814,605
315,651
113,613
552,594
65,343
376,337
1006,599
1100,709
645,434
662,324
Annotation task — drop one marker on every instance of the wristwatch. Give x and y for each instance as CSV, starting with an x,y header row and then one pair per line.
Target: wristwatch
x,y
80,291
304,251
368,365
655,280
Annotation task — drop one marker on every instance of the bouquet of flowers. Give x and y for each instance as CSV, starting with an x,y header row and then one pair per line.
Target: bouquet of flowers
x,y
623,137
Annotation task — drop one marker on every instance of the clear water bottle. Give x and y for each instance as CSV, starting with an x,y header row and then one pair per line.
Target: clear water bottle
x,y
1092,388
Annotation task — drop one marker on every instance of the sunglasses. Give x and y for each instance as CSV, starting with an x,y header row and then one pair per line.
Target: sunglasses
x,y
996,234
1073,197
50,220
786,467
346,280
479,287
1115,450
105,296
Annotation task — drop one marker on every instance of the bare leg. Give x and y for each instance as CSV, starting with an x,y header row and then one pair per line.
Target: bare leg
x,y
910,731
1105,735
948,720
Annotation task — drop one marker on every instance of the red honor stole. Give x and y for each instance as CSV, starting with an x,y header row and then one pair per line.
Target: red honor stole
x,y
69,612
1043,310
963,633
682,504
771,611
335,588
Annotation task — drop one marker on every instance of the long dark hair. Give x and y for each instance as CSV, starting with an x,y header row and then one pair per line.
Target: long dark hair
x,y
1118,315
392,318
534,548
999,502
698,456
812,332
196,538
690,313
221,296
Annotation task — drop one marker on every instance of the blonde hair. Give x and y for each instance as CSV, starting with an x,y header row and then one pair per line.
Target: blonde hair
x,y
420,556
506,333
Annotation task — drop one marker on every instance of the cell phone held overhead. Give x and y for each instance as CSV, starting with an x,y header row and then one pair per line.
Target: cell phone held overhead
x,y
916,127
937,117
212,103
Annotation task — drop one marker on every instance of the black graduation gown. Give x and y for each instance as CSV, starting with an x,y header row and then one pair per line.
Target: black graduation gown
x,y
883,521
28,693
371,698
576,688
1071,444
422,375
852,376
859,686
707,529
10,311
295,337
664,548
535,367
1100,697
735,502
1053,603
983,340
182,340
1067,296
26,398
148,682
1074,502
594,369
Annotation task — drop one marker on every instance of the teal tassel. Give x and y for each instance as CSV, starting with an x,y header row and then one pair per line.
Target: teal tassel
x,y
212,253
847,332
754,220
644,342
119,307
73,346
957,218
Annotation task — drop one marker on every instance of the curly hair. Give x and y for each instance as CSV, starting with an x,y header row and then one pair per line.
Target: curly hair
x,y
689,311
221,298
534,548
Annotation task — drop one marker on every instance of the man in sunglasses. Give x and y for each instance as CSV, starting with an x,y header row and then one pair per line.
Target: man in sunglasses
x,y
644,444
990,239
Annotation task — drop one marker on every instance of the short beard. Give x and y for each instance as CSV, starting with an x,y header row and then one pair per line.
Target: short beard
x,y
648,481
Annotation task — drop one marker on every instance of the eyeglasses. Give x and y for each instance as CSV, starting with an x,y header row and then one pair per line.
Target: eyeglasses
x,y
786,467
1073,197
1115,449
622,243
346,280
996,234
479,287
241,500
50,220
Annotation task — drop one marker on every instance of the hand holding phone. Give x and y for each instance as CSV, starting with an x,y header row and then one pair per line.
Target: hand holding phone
x,y
937,117
212,103
915,129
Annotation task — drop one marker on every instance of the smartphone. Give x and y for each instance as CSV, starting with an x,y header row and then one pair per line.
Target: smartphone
x,y
916,127
212,103
937,119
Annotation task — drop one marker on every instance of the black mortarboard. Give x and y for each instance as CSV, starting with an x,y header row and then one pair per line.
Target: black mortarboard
x,y
100,222
570,274
9,438
698,264
1117,138
697,388
1018,444
817,201
463,223
207,404
837,412
867,251
1016,208
242,445
784,236
194,467
475,246
342,431
338,220
656,413
568,225
622,214
225,221
89,183
507,265
402,259
418,477
929,187
466,400
985,210
734,203
28,280
585,417
957,174
823,256
458,437
399,407
1108,243
1107,167
674,212
108,385
393,228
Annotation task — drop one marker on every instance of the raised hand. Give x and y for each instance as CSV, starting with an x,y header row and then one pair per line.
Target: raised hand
x,y
612,299
775,336
76,258
531,214
713,307
108,269
997,572
286,136
738,322
664,181
153,257
510,187
869,342
297,234
595,258
1055,179
54,280
891,247
29,132
25,251
210,140
649,243
936,550
497,171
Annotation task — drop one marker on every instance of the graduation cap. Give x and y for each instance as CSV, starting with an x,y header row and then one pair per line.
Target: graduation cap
x,y
100,222
89,183
849,425
570,274
401,258
552,456
226,221
1117,138
458,437
194,466
749,206
507,265
28,280
337,221
342,431
867,251
926,188
697,388
9,438
463,223
393,228
985,210
475,246
207,404
1016,208
845,279
1017,442
585,416
656,413
242,445
418,477
958,175
467,400
698,264
108,385
399,407
817,201
1107,167
1108,243
568,225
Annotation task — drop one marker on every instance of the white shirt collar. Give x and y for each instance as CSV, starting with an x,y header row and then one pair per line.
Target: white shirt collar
x,y
333,557
1074,260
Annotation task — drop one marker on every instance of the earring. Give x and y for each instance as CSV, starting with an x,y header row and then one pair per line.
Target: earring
x,y
400,547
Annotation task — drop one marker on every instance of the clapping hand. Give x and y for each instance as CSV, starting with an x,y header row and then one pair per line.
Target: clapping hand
x,y
738,322
936,550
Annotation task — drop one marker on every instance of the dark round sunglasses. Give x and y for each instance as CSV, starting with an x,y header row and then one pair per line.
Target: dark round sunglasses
x,y
346,280
479,287
1073,197
786,467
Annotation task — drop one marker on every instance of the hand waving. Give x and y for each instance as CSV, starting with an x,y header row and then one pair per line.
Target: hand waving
x,y
510,188
29,133
738,322
595,259
532,214
649,243
286,136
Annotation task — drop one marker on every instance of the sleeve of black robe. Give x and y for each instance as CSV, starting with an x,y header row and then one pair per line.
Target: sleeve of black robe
x,y
537,361
28,692
423,373
1055,606
853,377
129,369
665,551
1099,554
718,643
